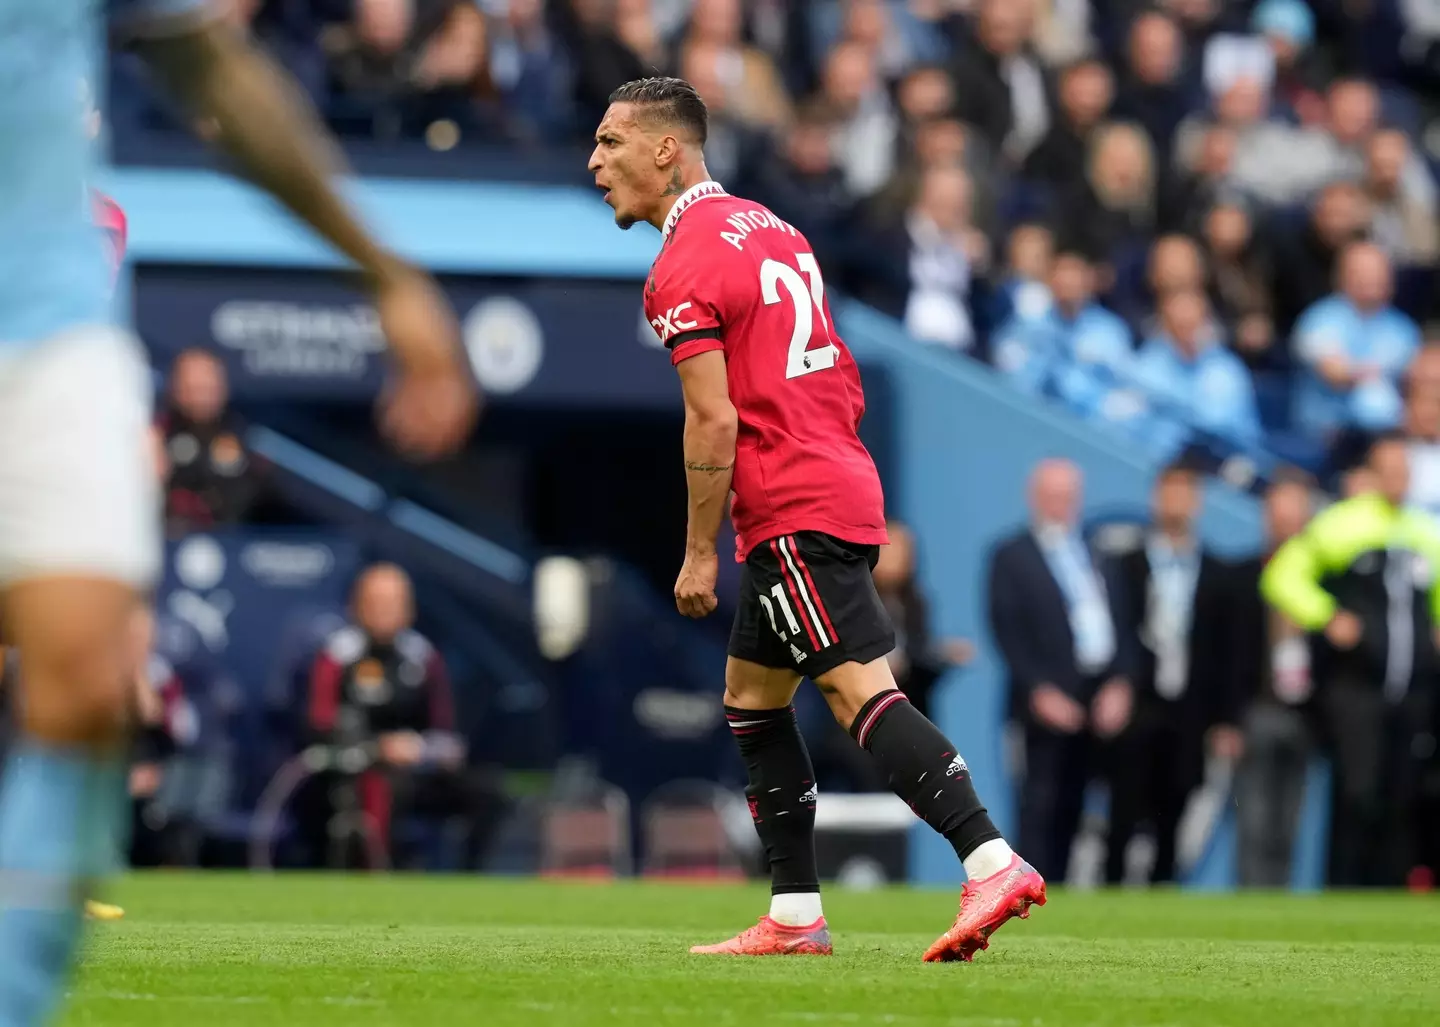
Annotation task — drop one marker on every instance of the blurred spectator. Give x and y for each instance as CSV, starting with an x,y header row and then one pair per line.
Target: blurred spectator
x,y
1054,619
1174,262
921,270
411,69
529,73
1305,262
1062,31
929,137
1404,216
1087,90
1283,164
1361,578
1277,53
754,93
1077,348
1154,91
1272,689
1000,85
805,183
1239,280
213,478
1354,118
1177,600
1110,214
731,144
1202,19
601,59
635,27
163,825
866,124
380,681
1022,286
1201,179
1354,347
898,38
925,93
1274,161
1422,434
1424,371
1288,27
940,142
1192,380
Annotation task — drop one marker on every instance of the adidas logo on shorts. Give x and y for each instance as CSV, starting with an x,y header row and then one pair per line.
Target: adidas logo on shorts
x,y
957,766
811,794
796,653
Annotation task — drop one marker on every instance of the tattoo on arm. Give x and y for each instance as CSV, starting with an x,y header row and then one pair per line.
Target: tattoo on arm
x,y
692,465
676,186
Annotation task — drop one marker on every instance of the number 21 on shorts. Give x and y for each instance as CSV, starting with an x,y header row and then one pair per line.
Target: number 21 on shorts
x,y
789,614
808,302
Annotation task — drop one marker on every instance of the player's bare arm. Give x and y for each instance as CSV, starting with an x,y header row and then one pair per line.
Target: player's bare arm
x,y
711,424
262,120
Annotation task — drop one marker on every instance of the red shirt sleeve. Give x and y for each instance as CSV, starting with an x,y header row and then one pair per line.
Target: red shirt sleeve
x,y
442,699
682,302
325,678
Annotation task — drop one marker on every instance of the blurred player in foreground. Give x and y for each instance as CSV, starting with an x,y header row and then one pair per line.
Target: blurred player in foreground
x,y
79,524
772,406
110,218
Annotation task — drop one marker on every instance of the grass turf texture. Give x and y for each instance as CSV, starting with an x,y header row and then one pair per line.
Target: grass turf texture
x,y
303,951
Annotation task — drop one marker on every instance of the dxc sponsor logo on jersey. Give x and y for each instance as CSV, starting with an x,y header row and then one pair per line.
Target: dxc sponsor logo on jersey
x,y
670,323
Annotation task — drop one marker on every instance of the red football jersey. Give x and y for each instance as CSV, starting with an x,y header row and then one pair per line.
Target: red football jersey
x,y
733,276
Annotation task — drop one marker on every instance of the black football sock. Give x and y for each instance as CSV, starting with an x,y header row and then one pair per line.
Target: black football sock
x,y
781,793
924,769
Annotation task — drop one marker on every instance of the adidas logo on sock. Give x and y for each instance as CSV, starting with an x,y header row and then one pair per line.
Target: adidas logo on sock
x,y
957,766
811,794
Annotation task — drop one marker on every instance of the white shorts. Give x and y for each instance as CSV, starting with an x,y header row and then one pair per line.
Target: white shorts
x,y
78,488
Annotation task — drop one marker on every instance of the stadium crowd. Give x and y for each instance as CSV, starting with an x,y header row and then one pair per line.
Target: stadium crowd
x,y
1195,221
1208,226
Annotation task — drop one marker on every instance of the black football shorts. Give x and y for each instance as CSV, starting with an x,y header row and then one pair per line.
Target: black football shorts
x,y
808,604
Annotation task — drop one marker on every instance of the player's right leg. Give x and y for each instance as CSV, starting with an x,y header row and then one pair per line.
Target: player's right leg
x,y
79,535
760,682
781,792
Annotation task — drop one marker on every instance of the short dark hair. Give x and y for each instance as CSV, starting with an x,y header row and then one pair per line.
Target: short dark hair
x,y
1388,437
673,100
1184,466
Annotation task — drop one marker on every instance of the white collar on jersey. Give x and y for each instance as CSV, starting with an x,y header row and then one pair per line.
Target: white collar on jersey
x,y
691,196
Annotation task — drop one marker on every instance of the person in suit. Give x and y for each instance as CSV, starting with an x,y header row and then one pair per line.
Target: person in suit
x,y
1176,596
1054,619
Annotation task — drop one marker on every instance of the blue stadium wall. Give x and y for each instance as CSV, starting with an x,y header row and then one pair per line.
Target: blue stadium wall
x,y
548,290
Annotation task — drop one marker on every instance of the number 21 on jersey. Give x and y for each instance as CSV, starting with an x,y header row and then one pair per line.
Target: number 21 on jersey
x,y
809,303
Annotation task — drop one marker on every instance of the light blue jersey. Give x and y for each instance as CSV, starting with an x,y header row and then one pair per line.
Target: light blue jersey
x,y
1211,391
54,273
1385,341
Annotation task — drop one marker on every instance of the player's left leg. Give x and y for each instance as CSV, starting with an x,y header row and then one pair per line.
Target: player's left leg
x,y
79,534
925,769
846,621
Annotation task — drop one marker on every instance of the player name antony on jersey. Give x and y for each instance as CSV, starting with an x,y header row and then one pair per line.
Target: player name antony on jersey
x,y
746,221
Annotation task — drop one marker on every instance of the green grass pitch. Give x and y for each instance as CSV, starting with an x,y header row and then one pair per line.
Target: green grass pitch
x,y
313,951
